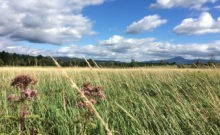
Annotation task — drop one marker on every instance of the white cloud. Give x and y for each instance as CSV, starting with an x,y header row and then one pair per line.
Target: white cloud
x,y
195,4
146,24
141,49
11,47
123,49
203,25
55,22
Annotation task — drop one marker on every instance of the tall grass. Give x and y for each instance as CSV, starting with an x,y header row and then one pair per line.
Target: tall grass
x,y
138,101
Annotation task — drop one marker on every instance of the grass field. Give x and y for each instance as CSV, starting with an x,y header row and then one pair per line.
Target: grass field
x,y
138,101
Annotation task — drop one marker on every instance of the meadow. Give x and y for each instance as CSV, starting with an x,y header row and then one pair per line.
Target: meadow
x,y
138,101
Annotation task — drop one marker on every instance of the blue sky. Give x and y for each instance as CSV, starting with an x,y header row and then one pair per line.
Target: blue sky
x,y
112,29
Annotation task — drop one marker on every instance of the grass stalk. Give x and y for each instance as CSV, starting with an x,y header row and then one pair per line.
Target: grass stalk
x,y
73,85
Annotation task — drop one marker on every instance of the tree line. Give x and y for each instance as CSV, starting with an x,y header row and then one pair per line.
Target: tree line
x,y
13,59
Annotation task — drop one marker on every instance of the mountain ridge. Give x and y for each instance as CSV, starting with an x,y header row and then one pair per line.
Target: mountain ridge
x,y
181,60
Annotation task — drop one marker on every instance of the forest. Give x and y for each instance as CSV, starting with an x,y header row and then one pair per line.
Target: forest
x,y
13,59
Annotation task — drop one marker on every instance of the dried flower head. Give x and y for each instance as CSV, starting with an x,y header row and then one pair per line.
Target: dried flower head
x,y
92,93
97,89
87,93
22,81
86,84
33,93
87,87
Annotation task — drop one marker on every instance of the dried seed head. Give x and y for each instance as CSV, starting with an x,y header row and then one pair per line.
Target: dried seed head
x,y
87,84
92,93
33,93
22,81
97,89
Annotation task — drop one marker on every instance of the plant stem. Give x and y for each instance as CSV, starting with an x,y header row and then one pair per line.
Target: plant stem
x,y
21,121
78,90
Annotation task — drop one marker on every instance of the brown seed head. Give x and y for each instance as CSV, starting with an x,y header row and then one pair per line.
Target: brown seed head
x,y
22,81
97,89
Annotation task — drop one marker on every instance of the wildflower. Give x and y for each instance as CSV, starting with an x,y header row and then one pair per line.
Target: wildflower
x,y
86,103
80,104
92,93
97,89
87,87
11,97
22,81
26,93
30,94
101,95
87,84
33,94
87,93
93,101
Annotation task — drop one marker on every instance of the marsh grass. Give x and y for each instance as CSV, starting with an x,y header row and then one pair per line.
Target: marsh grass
x,y
138,101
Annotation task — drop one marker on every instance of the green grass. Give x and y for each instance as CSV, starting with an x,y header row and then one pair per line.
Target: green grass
x,y
138,101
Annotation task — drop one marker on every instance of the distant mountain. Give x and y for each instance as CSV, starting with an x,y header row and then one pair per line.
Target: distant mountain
x,y
181,60
177,60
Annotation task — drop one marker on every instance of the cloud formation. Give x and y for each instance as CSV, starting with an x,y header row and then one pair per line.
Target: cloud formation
x,y
203,25
141,49
123,49
145,24
11,47
44,21
193,4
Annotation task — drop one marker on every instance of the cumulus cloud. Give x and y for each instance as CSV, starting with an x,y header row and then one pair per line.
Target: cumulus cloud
x,y
146,24
122,49
203,25
141,49
11,47
37,21
194,4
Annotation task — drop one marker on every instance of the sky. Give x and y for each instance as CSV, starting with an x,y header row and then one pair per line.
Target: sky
x,y
112,29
